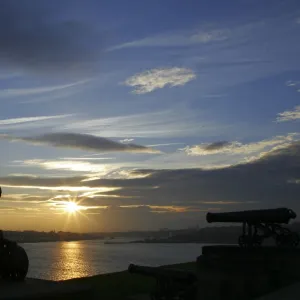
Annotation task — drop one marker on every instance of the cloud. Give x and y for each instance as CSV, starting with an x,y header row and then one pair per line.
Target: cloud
x,y
166,144
38,90
41,181
126,140
289,115
269,181
32,36
165,208
178,39
34,123
175,122
82,142
23,198
216,146
207,35
87,158
70,165
176,198
264,182
58,184
225,147
14,121
292,83
151,80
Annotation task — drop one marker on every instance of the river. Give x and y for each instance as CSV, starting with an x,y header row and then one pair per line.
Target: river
x,y
66,260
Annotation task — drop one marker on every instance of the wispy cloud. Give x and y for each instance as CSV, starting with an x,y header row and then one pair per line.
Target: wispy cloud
x,y
87,158
23,174
292,83
81,142
165,123
14,121
166,208
35,123
38,90
81,188
166,144
69,165
9,75
75,184
225,147
294,114
184,38
126,140
151,80
289,115
23,198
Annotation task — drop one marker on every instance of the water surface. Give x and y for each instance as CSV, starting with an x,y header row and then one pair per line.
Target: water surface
x,y
65,260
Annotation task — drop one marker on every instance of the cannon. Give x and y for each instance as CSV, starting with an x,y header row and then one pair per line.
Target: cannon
x,y
267,221
170,283
14,261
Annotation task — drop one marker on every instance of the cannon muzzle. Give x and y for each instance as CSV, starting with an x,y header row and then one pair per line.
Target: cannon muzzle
x,y
277,215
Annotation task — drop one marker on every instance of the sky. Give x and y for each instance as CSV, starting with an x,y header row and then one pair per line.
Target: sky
x,y
147,114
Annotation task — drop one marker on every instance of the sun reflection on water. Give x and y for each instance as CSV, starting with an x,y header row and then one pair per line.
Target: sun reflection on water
x,y
72,262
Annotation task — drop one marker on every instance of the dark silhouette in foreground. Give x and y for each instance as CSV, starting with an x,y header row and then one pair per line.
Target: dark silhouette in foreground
x,y
170,283
14,261
243,271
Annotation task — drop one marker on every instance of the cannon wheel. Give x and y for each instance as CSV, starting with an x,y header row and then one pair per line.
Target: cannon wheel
x,y
17,264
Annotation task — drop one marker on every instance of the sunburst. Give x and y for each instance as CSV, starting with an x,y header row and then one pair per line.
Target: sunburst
x,y
71,207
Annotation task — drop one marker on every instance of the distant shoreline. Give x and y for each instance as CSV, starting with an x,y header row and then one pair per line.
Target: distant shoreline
x,y
165,241
182,242
55,241
129,242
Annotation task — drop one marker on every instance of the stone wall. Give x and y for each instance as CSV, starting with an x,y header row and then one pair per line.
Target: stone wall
x,y
231,272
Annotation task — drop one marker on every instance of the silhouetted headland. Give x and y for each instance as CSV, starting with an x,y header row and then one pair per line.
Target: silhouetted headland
x,y
207,235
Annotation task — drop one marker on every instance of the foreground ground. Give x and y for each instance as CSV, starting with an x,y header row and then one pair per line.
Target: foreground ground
x,y
121,285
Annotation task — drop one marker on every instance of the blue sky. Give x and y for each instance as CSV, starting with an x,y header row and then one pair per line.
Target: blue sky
x,y
102,99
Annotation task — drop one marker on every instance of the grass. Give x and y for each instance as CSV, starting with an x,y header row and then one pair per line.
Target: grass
x,y
120,285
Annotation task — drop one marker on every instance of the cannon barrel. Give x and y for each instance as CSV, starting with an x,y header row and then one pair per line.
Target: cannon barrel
x,y
277,215
174,274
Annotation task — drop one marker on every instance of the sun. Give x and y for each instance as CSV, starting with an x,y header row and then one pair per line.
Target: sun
x,y
71,207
